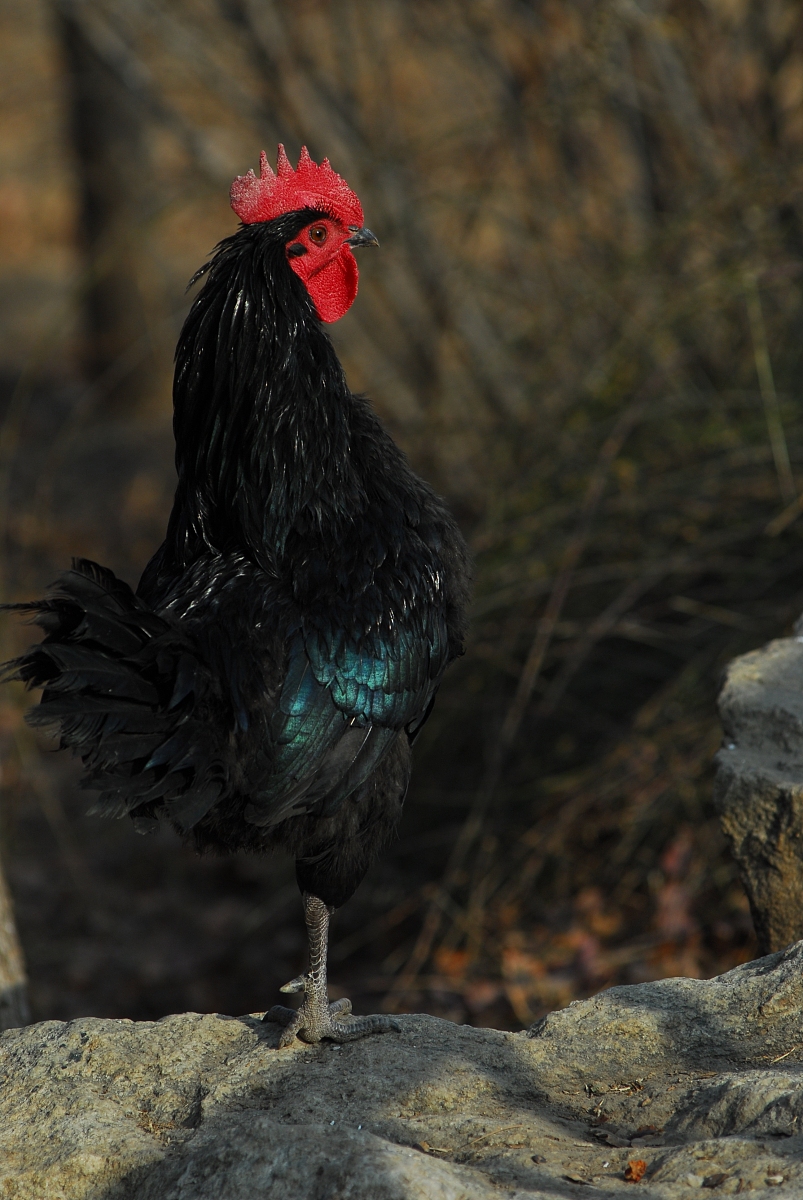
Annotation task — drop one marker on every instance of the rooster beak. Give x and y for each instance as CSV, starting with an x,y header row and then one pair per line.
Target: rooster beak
x,y
361,237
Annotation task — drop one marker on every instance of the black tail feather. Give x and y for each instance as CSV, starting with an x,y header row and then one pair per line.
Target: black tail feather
x,y
128,691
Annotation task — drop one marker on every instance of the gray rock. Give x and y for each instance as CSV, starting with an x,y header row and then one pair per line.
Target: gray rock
x,y
702,1080
758,790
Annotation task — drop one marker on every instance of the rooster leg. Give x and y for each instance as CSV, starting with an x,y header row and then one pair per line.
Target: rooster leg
x,y
317,1018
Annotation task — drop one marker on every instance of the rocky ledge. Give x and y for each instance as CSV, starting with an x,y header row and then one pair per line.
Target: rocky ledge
x,y
759,785
660,1087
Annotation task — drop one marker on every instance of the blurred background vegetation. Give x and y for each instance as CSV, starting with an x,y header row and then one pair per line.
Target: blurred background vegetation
x,y
583,326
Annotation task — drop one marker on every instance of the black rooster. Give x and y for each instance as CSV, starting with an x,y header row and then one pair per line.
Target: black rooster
x,y
263,686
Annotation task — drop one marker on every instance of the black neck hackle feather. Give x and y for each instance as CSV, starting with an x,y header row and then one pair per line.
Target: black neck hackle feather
x,y
259,406
286,641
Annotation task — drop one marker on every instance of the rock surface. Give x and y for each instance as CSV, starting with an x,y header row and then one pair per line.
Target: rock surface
x,y
699,1081
759,784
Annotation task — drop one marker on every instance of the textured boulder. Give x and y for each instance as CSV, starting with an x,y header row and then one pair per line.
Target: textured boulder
x,y
759,784
695,1083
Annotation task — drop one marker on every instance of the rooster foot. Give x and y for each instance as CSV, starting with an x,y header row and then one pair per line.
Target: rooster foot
x,y
317,1019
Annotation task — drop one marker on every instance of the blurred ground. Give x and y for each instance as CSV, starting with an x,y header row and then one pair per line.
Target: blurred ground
x,y
584,328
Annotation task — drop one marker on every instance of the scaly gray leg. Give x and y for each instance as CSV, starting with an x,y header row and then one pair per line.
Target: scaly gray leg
x,y
317,1018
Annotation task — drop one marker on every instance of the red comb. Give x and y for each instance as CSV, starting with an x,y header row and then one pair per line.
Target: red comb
x,y
308,186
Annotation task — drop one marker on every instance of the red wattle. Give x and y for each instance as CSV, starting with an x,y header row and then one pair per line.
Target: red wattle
x,y
334,287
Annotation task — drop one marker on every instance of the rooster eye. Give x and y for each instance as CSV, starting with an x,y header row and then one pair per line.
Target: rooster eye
x,y
318,234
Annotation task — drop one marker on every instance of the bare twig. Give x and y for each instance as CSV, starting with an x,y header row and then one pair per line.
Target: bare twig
x,y
136,77
766,382
604,624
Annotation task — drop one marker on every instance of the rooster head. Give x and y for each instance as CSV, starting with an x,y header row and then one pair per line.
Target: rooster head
x,y
321,254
